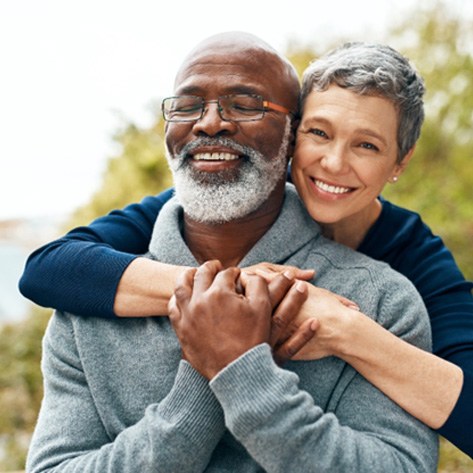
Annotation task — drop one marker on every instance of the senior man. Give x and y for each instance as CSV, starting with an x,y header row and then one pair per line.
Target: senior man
x,y
119,396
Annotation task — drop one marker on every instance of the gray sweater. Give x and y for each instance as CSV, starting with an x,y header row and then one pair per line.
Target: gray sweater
x,y
118,398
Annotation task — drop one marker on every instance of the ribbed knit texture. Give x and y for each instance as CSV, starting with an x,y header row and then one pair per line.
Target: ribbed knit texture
x,y
118,398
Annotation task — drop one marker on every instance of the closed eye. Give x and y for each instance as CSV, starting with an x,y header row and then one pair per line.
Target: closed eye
x,y
245,108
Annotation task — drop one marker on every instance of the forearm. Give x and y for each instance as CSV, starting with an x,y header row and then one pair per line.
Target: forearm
x,y
74,276
177,434
283,429
145,288
423,384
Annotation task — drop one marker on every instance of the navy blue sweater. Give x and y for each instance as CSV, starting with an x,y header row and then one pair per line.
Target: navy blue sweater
x,y
79,273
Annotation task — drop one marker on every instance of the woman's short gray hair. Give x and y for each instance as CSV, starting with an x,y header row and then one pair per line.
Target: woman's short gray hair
x,y
373,69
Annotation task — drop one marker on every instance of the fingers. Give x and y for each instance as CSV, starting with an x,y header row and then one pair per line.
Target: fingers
x,y
279,286
257,293
173,311
228,279
184,286
205,274
287,312
296,342
268,271
304,274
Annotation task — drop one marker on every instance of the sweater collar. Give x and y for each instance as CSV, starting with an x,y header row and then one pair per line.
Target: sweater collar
x,y
293,229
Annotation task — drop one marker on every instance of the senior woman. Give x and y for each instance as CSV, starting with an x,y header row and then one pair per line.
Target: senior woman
x,y
362,111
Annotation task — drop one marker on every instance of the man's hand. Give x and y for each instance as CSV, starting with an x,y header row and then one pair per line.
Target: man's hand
x,y
218,317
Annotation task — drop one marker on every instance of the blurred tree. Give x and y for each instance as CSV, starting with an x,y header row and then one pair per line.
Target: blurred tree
x,y
139,169
20,386
439,180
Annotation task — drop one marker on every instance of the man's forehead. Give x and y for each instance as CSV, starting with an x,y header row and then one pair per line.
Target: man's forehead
x,y
240,60
249,69
224,63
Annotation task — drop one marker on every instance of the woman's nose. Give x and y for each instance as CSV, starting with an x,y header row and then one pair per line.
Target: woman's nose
x,y
334,160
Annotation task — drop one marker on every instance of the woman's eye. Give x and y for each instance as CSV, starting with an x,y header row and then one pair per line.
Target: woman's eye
x,y
318,132
369,146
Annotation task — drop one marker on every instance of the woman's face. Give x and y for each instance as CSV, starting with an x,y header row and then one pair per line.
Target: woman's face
x,y
346,151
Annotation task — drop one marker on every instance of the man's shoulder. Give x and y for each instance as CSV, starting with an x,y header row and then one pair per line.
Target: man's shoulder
x,y
336,261
381,292
65,329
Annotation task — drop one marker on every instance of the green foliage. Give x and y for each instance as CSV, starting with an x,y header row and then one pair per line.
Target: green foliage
x,y
452,460
439,180
139,169
20,385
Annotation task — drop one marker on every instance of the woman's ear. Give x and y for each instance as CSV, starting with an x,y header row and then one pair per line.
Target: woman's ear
x,y
401,167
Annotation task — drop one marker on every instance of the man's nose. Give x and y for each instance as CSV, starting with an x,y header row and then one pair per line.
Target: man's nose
x,y
211,123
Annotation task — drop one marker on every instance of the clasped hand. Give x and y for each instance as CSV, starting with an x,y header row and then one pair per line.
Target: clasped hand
x,y
219,315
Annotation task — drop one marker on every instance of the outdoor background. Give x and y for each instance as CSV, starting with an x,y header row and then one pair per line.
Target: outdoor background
x,y
80,131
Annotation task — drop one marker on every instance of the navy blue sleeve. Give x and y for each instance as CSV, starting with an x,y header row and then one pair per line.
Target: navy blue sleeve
x,y
401,239
80,272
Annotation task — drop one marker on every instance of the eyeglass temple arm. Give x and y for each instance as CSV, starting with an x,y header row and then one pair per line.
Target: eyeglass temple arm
x,y
275,106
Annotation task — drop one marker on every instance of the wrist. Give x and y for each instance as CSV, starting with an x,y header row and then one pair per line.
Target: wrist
x,y
348,339
145,288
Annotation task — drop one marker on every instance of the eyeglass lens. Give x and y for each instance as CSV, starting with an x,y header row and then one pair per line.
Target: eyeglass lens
x,y
231,107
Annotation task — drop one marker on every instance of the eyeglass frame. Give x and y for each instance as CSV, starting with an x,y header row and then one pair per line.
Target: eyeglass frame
x,y
267,105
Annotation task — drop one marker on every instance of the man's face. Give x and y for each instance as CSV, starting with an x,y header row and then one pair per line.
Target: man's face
x,y
225,170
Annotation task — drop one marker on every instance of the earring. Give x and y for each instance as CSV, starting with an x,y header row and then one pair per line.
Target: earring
x,y
394,179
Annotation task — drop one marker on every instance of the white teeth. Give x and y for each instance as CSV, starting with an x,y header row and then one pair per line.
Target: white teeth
x,y
215,157
332,189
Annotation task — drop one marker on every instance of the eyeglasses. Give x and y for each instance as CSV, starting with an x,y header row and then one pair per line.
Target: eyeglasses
x,y
234,108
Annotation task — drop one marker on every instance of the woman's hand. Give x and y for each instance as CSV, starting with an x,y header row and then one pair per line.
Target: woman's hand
x,y
287,296
336,316
327,314
269,271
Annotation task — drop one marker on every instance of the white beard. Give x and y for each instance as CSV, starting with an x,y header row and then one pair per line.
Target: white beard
x,y
227,195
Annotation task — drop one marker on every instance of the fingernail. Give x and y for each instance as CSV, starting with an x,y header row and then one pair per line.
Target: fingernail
x,y
314,325
300,287
288,275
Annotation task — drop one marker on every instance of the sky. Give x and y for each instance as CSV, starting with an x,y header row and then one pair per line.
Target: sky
x,y
74,71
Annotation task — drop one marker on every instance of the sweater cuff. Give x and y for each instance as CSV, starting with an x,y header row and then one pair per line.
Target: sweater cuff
x,y
192,406
252,388
461,418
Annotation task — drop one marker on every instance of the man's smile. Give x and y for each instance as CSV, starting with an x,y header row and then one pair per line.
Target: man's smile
x,y
215,157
